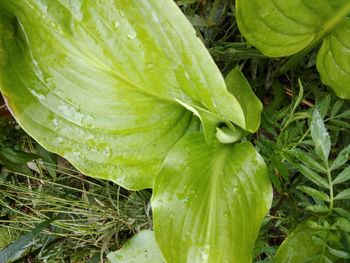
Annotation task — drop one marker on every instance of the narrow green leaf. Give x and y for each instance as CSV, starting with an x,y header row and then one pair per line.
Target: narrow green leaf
x,y
344,114
316,194
10,251
343,176
103,89
186,2
307,160
299,98
323,105
320,136
339,253
313,177
342,224
209,201
343,195
318,209
299,245
50,161
336,107
345,240
142,248
341,159
342,212
18,157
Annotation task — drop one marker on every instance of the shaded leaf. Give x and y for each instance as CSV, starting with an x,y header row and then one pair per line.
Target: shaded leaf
x,y
342,224
339,253
341,159
343,195
17,157
318,209
313,177
299,245
316,194
343,176
209,201
7,253
307,160
282,28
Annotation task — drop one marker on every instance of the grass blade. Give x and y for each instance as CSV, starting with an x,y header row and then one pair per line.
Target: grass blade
x,y
8,252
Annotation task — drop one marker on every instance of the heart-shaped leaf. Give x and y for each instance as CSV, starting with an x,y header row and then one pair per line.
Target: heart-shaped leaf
x,y
209,201
282,28
141,248
103,83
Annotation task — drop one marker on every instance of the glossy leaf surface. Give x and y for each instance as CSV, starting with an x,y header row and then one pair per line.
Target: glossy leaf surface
x,y
103,83
142,248
283,28
299,246
252,107
209,201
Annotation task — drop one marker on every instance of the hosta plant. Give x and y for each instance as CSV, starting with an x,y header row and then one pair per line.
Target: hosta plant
x,y
283,28
127,92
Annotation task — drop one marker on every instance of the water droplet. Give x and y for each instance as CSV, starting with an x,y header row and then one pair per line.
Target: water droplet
x,y
55,122
37,95
155,18
132,35
119,169
72,112
150,66
107,152
76,154
116,24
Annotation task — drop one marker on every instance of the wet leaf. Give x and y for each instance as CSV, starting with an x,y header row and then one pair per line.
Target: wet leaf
x,y
142,248
209,201
104,83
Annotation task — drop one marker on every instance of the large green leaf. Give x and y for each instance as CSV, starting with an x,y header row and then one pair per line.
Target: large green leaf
x,y
142,248
209,201
300,245
103,83
282,28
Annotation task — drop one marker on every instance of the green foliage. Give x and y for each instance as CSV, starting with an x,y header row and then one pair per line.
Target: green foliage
x,y
299,246
129,113
135,103
142,248
283,28
226,186
10,253
304,139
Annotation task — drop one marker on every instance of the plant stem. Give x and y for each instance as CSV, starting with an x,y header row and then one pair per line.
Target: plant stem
x,y
331,193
